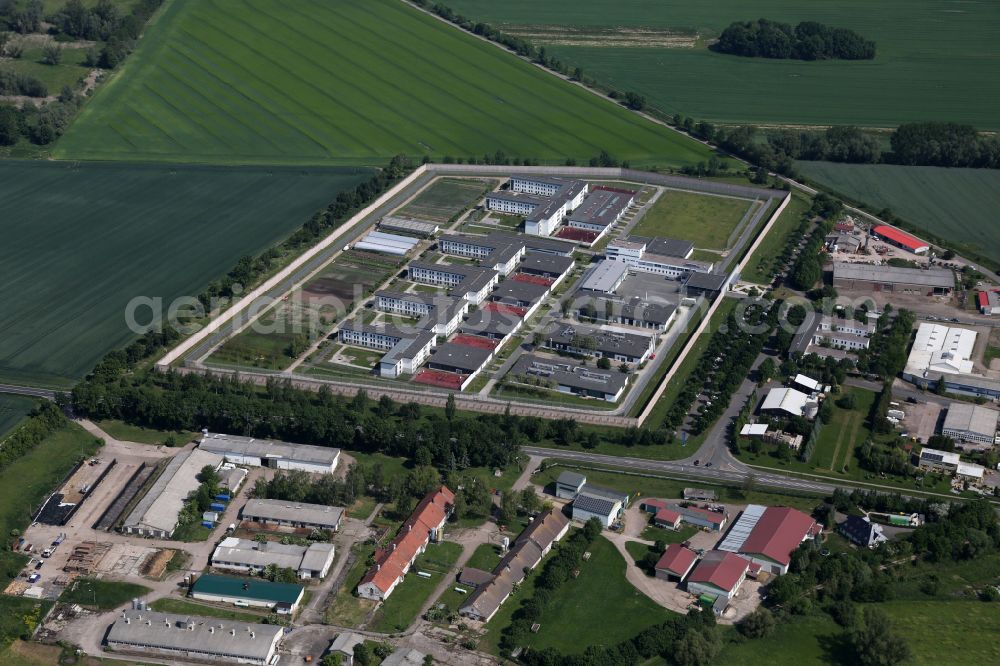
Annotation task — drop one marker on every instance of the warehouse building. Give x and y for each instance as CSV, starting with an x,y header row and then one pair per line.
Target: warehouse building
x,y
156,513
528,549
391,563
966,422
254,592
193,637
869,277
989,302
378,241
940,349
568,484
598,502
293,514
267,453
567,377
602,343
246,556
790,401
900,239
767,536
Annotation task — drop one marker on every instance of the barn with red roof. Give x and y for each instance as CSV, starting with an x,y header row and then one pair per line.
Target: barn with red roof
x,y
718,576
393,561
899,238
769,535
676,562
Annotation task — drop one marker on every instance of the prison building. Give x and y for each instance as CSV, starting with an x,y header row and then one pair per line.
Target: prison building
x,y
499,254
283,513
268,453
708,285
600,211
542,186
869,277
661,256
551,266
495,325
543,220
407,355
459,359
192,637
603,343
633,312
519,294
469,282
565,377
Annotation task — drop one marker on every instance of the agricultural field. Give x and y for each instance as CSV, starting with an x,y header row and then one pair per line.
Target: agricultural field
x,y
82,240
280,334
13,409
445,198
957,205
318,82
704,219
932,58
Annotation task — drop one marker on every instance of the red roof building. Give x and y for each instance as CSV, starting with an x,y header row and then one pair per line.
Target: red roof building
x,y
667,518
778,532
652,505
900,238
718,574
393,561
676,562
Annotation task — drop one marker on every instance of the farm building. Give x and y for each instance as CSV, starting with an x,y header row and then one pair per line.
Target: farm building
x,y
156,513
789,401
378,241
900,239
602,343
391,563
869,277
568,377
668,519
710,520
246,556
605,277
940,349
661,256
718,577
699,495
966,422
708,285
254,592
676,563
862,532
268,453
343,645
568,484
767,536
293,514
596,502
408,225
528,549
193,637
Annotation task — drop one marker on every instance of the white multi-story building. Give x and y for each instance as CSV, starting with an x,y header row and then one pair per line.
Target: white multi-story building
x,y
545,202
469,282
661,256
513,203
538,185
502,254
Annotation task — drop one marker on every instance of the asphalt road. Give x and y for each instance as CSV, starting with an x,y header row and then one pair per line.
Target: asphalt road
x,y
28,390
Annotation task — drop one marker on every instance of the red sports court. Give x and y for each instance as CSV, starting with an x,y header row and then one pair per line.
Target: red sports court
x,y
506,309
574,234
439,378
474,341
533,279
619,190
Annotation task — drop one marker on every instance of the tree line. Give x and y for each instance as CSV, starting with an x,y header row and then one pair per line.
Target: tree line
x,y
808,40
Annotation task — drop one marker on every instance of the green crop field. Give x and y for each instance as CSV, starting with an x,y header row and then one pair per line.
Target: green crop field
x,y
13,409
320,82
704,219
82,240
936,60
445,198
958,205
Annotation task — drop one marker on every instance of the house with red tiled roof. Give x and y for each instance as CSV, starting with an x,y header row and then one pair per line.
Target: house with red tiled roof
x,y
393,561
675,563
718,575
776,534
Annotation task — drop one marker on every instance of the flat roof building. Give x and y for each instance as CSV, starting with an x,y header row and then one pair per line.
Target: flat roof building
x,y
255,592
708,285
966,422
157,512
789,401
269,453
900,238
567,377
869,277
603,343
938,461
545,265
246,556
293,514
520,294
461,359
193,637
405,657
496,325
408,225
605,277
939,348
601,210
568,484
632,312
661,256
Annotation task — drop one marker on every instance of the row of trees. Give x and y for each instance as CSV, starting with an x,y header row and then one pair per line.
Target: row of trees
x,y
45,419
808,40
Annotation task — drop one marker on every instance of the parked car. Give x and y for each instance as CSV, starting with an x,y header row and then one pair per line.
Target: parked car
x,y
34,577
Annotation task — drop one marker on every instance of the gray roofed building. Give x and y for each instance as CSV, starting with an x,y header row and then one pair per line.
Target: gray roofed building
x,y
474,577
892,278
517,197
156,513
270,453
539,243
344,644
244,555
601,208
404,657
592,504
667,247
971,423
408,225
605,277
194,637
619,346
571,377
515,292
495,325
707,284
607,493
294,514
452,357
568,484
409,348
546,265
633,312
